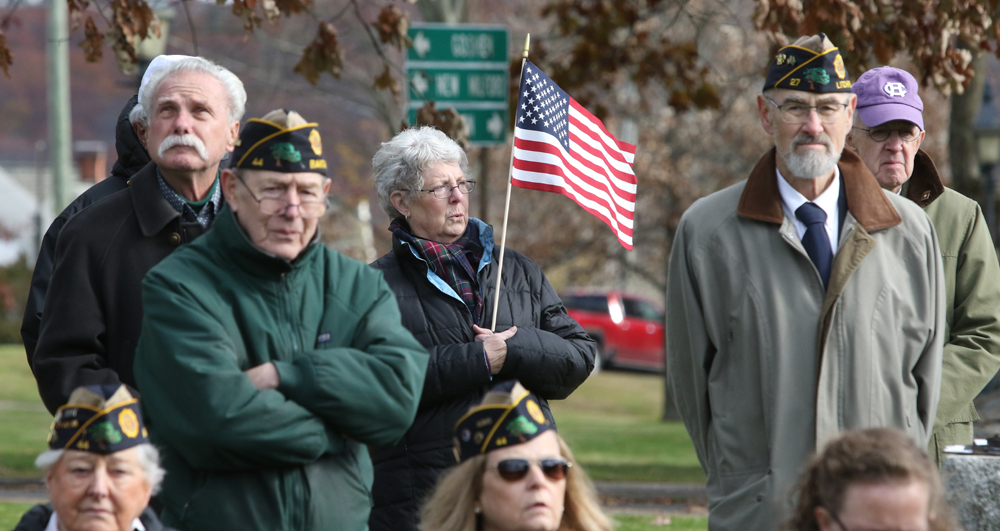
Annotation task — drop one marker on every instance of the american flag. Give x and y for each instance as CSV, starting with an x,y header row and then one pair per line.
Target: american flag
x,y
560,147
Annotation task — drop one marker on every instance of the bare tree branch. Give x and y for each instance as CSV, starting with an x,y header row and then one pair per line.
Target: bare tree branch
x,y
10,14
194,33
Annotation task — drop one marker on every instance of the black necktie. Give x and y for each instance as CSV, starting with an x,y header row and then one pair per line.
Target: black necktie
x,y
816,240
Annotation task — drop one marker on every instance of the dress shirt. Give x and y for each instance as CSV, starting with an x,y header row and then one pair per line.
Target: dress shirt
x,y
791,200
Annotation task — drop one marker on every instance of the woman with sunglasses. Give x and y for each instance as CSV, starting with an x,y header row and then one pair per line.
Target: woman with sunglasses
x,y
443,271
515,473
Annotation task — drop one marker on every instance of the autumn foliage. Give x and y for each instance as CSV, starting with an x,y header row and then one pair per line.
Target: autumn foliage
x,y
612,39
121,24
941,37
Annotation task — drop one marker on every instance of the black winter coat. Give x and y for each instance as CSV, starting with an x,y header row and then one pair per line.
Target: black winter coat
x,y
131,158
37,518
93,308
550,354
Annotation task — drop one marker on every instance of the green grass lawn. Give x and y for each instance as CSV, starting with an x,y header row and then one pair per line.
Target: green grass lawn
x,y
25,423
672,522
612,423
10,514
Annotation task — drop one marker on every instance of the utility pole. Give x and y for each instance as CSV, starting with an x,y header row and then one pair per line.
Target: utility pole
x,y
60,137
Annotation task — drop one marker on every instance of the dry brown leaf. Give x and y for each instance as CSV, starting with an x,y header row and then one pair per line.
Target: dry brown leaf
x,y
386,80
448,121
392,25
93,41
323,55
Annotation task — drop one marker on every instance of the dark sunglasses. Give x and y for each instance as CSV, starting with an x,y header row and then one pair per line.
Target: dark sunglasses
x,y
554,468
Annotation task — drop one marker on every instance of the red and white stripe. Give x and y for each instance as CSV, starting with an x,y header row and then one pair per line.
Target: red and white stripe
x,y
596,172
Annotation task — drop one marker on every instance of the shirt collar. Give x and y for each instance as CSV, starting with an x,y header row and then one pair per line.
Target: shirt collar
x,y
207,213
791,199
54,524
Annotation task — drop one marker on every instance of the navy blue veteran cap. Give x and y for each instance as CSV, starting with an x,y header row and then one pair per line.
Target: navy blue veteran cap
x,y
509,414
102,419
810,64
281,141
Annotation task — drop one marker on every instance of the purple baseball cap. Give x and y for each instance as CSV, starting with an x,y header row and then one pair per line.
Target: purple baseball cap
x,y
886,94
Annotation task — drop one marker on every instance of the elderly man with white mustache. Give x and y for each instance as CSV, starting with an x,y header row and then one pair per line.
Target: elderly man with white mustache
x,y
188,118
802,302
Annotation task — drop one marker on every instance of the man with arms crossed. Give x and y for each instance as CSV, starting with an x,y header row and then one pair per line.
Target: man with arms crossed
x,y
267,361
801,302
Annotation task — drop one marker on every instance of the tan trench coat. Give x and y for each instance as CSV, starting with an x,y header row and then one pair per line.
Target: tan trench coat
x,y
766,365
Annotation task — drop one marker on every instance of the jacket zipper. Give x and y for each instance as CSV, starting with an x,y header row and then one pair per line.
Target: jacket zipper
x,y
297,517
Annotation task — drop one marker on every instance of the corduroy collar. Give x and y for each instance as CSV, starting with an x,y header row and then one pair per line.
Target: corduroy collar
x,y
925,183
866,201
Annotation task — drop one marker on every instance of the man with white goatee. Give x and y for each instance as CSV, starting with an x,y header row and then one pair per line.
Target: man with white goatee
x,y
801,302
188,118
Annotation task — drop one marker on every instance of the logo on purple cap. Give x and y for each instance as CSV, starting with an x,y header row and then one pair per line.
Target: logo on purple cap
x,y
895,89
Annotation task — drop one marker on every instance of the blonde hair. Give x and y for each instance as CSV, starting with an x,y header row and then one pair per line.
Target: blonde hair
x,y
450,505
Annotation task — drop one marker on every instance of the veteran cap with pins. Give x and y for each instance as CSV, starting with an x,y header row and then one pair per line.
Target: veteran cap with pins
x,y
280,141
810,64
102,419
509,414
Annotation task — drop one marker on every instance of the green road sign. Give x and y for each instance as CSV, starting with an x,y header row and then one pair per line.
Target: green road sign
x,y
452,42
462,67
458,84
486,126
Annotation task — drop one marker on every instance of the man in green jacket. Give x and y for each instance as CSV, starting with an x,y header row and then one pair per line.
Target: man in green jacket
x,y
887,133
267,362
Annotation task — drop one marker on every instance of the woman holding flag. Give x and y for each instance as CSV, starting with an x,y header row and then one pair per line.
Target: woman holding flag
x,y
443,271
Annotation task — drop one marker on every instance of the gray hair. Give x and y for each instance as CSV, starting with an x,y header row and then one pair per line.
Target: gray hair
x,y
149,460
401,162
237,95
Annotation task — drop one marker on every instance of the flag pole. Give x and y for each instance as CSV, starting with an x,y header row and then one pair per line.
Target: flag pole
x,y
506,207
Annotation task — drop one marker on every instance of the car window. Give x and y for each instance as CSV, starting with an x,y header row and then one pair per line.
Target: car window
x,y
587,303
641,309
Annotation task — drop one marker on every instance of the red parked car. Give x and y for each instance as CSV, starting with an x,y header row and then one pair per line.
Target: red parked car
x,y
628,328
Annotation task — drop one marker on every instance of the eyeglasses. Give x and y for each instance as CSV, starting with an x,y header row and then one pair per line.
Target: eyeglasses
x,y
798,113
554,468
444,191
881,135
273,203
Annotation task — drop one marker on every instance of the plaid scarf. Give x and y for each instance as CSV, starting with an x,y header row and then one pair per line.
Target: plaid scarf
x,y
210,206
453,262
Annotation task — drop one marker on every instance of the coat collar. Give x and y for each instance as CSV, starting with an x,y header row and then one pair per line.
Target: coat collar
x,y
925,184
402,248
151,209
866,201
228,236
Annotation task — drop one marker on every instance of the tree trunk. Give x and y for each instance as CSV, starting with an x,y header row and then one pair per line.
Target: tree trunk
x,y
450,11
965,173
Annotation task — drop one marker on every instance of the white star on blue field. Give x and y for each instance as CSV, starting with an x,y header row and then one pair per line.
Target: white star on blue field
x,y
543,106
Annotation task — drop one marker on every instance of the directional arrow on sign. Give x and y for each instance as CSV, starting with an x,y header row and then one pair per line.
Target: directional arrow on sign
x,y
495,125
421,44
420,83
